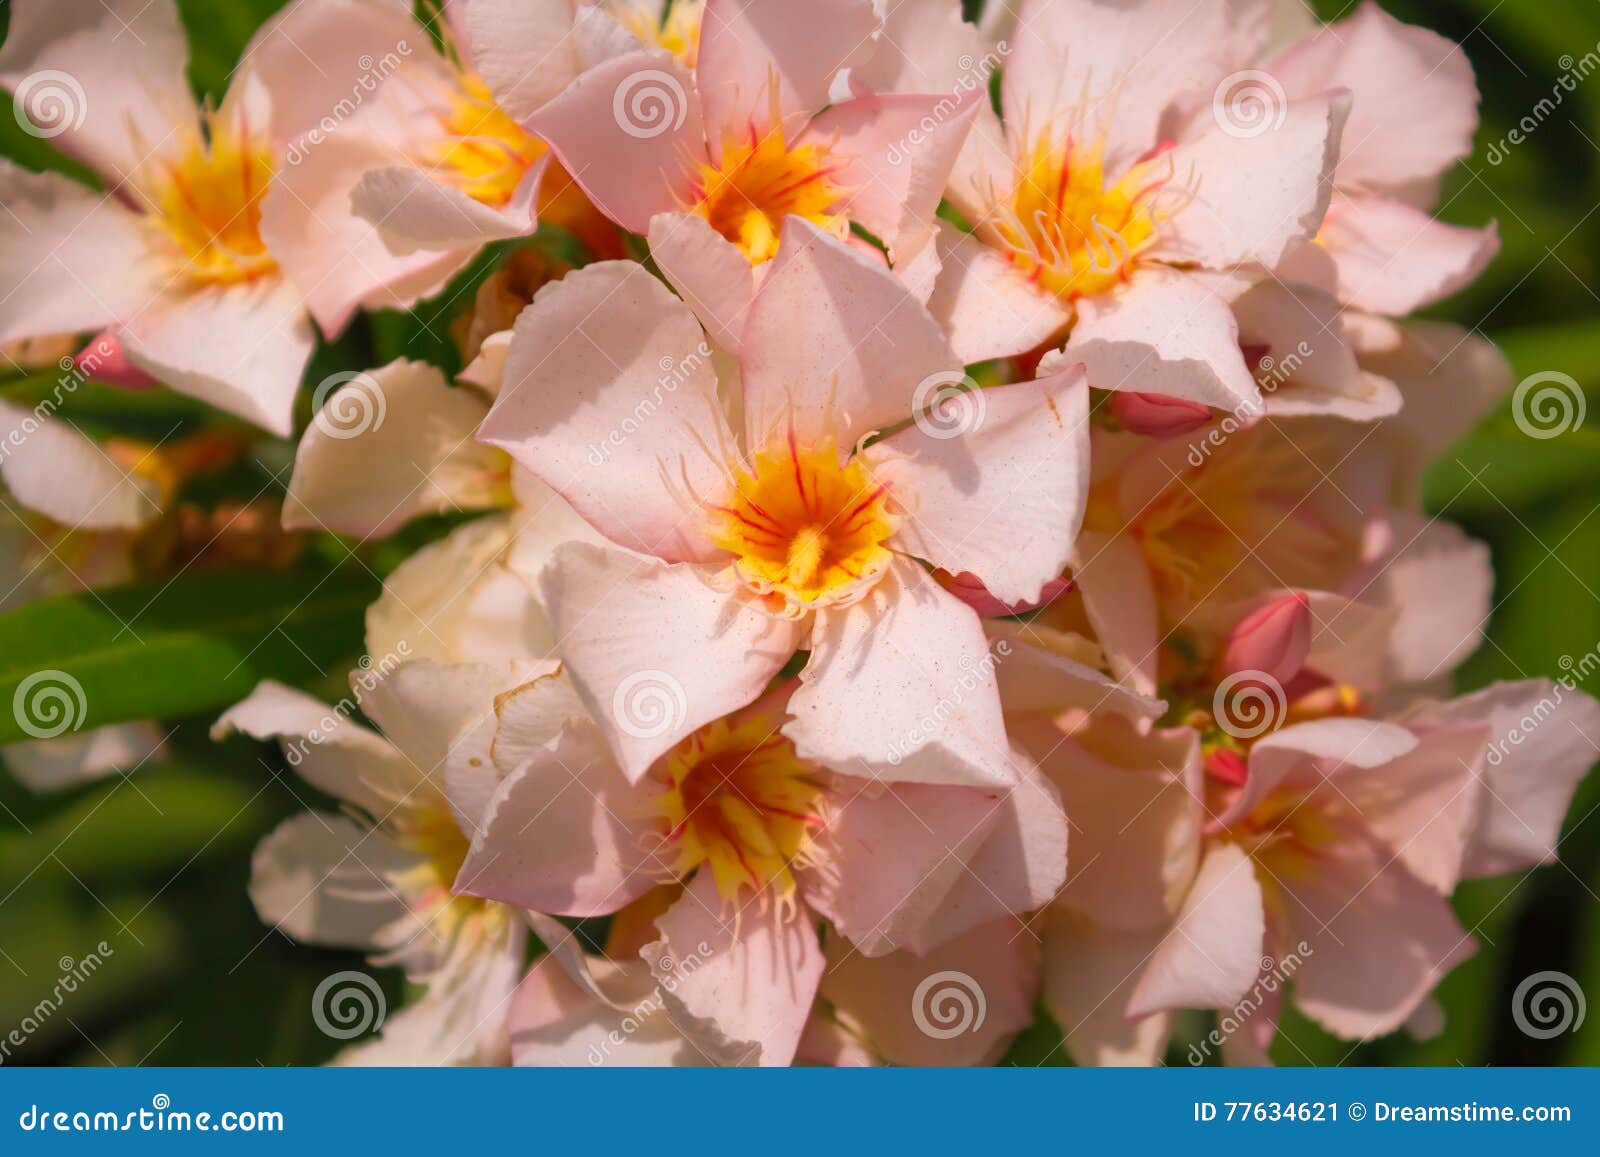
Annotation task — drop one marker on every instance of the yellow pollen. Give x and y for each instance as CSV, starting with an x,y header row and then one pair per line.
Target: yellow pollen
x,y
483,152
434,836
740,801
760,182
679,33
1067,229
206,203
804,525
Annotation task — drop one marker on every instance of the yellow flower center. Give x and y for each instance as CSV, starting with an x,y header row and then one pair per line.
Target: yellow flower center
x,y
678,33
739,800
206,204
483,152
804,525
760,182
1067,229
433,835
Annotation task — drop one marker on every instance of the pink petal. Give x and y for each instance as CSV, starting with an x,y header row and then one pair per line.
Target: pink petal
x,y
565,833
1165,333
1156,415
1394,259
899,687
1544,738
1212,954
1111,575
1378,941
241,348
738,985
1255,198
989,308
1089,973
127,91
891,854
895,164
71,259
834,344
1274,640
958,1005
609,395
654,650
747,46
629,131
1134,802
1004,500
1416,102
713,275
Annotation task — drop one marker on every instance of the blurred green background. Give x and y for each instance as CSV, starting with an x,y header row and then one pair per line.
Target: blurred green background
x,y
156,864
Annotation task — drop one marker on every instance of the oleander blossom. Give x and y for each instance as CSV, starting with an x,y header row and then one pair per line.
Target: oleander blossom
x,y
763,843
176,262
734,550
1101,216
710,162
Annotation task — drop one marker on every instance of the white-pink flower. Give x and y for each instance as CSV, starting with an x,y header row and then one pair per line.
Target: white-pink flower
x,y
752,518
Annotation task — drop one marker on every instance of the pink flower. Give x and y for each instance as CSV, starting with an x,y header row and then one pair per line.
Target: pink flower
x,y
734,550
765,842
709,164
1100,212
176,259
1413,115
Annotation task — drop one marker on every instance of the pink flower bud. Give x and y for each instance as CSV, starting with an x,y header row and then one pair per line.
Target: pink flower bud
x,y
1274,640
1227,766
1157,415
104,360
969,588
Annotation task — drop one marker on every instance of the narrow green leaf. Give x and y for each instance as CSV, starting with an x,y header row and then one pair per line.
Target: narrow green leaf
x,y
194,644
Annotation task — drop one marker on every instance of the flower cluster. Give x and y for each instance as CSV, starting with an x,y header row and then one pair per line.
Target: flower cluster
x,y
936,524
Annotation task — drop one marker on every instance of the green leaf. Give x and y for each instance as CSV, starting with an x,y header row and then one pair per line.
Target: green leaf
x,y
193,644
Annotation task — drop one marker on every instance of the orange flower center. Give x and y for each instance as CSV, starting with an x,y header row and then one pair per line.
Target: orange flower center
x,y
206,205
